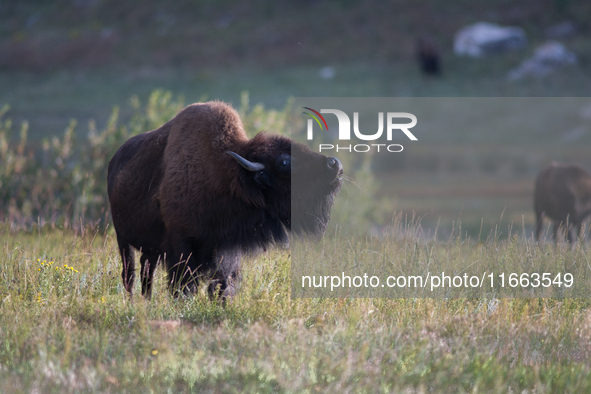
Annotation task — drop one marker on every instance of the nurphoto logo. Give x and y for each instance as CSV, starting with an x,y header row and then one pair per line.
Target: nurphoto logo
x,y
344,131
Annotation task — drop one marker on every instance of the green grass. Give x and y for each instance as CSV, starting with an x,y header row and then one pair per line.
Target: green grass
x,y
66,331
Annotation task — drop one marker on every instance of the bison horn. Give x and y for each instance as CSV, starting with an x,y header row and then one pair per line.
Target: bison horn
x,y
249,165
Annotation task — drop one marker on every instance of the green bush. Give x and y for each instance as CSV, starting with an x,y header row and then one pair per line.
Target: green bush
x,y
63,181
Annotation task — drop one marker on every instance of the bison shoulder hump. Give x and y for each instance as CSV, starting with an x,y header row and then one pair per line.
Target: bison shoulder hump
x,y
214,124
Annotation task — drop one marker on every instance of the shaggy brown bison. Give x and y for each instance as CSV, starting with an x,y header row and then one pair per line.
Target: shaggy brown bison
x,y
563,194
197,194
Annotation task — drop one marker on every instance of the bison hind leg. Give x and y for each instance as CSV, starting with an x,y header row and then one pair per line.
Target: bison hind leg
x,y
128,270
149,261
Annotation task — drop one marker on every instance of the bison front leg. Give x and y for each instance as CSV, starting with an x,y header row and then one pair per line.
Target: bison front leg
x,y
224,288
181,277
182,268
128,271
149,262
226,276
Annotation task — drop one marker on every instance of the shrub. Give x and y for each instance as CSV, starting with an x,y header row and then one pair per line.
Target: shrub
x,y
63,181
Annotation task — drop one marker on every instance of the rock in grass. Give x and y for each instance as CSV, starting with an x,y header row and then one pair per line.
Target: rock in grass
x,y
483,39
547,58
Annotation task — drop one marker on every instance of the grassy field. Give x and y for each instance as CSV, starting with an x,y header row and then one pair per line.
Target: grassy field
x,y
67,326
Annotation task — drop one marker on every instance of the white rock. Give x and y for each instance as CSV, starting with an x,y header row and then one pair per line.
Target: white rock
x,y
482,39
327,72
553,52
547,58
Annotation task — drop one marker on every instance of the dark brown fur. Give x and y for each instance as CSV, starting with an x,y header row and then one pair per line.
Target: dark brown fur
x,y
563,194
176,195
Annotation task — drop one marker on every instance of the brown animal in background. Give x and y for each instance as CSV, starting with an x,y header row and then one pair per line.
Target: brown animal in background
x,y
562,193
428,57
197,193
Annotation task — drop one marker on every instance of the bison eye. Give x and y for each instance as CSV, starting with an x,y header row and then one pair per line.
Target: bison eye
x,y
283,163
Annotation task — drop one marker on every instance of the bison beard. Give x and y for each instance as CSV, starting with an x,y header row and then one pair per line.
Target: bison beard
x,y
562,193
198,194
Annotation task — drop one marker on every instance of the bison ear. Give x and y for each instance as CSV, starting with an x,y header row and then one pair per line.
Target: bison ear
x,y
262,179
249,165
240,184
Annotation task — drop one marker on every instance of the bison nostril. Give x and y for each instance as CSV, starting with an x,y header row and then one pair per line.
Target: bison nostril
x,y
334,163
331,161
335,166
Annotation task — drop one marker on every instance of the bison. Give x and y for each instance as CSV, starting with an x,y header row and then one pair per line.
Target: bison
x,y
197,194
563,193
428,56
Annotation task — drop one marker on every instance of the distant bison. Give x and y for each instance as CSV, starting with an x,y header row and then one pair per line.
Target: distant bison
x,y
563,193
197,193
428,56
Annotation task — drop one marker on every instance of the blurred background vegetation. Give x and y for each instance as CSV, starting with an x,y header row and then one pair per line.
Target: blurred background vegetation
x,y
81,76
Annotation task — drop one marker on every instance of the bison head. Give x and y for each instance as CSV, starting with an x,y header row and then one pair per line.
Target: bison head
x,y
291,181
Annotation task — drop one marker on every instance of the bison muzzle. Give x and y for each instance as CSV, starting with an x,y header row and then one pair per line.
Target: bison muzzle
x,y
562,193
197,194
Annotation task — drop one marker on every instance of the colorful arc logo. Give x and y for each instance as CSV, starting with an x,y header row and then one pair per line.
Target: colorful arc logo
x,y
316,118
